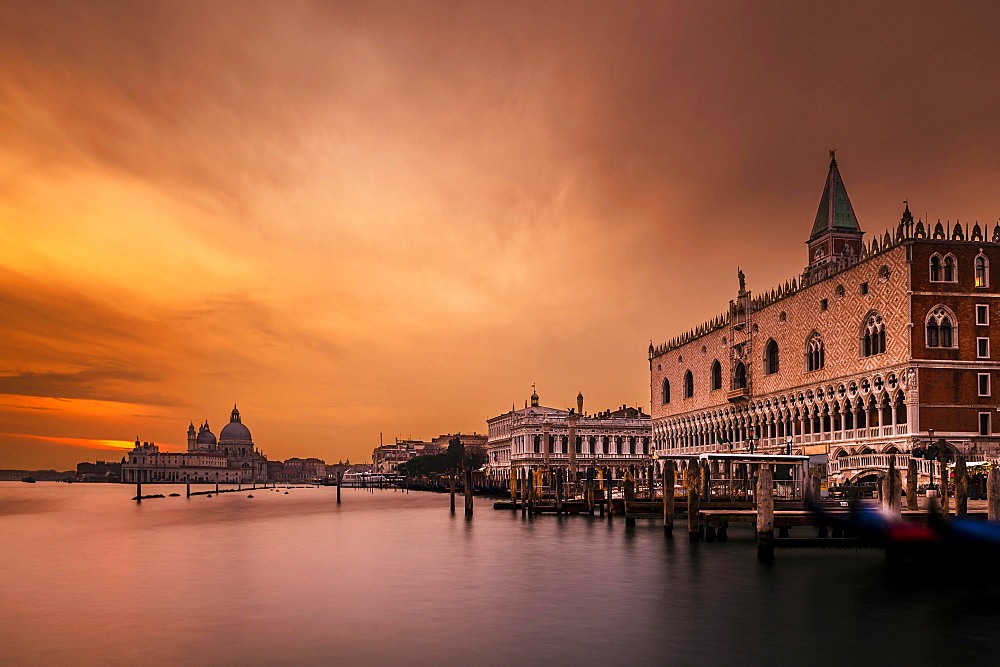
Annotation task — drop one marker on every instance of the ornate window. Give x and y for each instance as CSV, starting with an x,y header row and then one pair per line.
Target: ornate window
x,y
771,360
665,391
688,385
716,375
950,269
740,376
942,328
815,352
872,336
884,273
935,268
982,271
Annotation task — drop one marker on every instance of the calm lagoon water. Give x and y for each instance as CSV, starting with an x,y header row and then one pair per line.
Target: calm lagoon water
x,y
89,577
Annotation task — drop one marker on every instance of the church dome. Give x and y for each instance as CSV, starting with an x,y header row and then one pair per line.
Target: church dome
x,y
235,430
205,435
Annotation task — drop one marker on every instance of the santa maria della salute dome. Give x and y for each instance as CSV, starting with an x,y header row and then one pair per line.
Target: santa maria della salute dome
x,y
234,442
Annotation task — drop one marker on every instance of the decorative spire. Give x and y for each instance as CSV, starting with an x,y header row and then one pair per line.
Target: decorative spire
x,y
235,416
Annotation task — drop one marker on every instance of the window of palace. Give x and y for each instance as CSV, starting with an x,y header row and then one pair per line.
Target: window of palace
x,y
941,328
884,273
863,289
949,272
982,348
982,314
815,353
688,385
740,376
984,423
839,292
824,304
716,375
873,336
984,384
771,359
665,391
982,271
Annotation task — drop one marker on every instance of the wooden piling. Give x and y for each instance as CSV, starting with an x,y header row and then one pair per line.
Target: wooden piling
x,y
589,491
945,495
895,489
603,486
628,497
668,497
692,479
468,490
559,490
765,513
609,487
513,487
961,486
993,494
451,488
138,490
911,485
188,490
706,481
340,483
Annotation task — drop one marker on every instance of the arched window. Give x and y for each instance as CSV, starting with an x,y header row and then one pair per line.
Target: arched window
x,y
665,391
982,271
771,364
688,385
950,269
716,375
740,376
942,328
935,268
815,352
873,336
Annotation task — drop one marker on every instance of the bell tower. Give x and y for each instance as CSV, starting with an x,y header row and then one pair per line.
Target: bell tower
x,y
836,232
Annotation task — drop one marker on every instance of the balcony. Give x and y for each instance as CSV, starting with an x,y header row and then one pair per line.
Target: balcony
x,y
738,394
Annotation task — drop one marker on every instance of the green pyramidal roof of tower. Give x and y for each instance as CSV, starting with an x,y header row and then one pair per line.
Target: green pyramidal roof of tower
x,y
835,210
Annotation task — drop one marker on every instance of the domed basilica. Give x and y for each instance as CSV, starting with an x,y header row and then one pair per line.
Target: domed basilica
x,y
235,443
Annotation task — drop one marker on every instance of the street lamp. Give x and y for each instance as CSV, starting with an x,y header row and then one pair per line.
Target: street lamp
x,y
788,446
750,441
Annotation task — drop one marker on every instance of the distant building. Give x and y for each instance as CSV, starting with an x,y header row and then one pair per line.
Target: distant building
x,y
387,458
101,471
230,459
537,435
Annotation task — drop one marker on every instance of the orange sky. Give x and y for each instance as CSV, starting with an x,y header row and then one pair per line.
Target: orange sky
x,y
354,218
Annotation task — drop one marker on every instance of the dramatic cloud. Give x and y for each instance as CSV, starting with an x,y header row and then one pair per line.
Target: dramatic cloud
x,y
358,218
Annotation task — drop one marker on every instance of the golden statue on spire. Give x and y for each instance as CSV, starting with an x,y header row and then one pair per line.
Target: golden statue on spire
x,y
833,153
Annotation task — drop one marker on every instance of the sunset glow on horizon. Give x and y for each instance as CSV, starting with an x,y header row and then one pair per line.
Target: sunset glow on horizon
x,y
354,220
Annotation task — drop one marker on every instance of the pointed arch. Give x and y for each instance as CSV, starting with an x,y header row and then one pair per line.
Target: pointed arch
x,y
982,270
949,269
772,361
740,375
941,327
872,335
935,267
815,352
665,391
716,375
688,384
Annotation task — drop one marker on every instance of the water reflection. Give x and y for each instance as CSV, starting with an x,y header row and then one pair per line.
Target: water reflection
x,y
386,577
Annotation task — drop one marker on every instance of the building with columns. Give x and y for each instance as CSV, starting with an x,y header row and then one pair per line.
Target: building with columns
x,y
538,435
232,458
874,346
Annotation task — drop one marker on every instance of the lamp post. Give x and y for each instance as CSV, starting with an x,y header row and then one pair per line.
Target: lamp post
x,y
751,438
788,446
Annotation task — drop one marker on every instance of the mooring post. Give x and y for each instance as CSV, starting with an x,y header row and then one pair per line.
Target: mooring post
x,y
692,482
340,483
468,490
609,485
603,486
993,495
911,484
961,486
668,497
589,490
945,500
513,488
451,488
559,489
765,513
896,489
188,490
628,497
138,491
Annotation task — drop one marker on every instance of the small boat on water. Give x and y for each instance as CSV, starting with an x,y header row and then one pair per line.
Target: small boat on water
x,y
28,480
